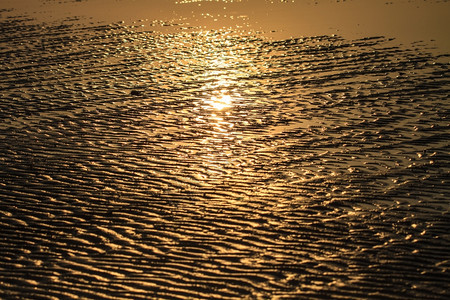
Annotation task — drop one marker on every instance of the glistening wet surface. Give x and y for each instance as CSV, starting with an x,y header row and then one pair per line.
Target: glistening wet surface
x,y
220,164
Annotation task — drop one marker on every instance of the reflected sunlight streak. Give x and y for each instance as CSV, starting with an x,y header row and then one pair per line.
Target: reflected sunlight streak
x,y
221,103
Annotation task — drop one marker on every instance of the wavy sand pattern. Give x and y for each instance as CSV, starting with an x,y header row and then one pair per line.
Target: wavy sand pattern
x,y
213,164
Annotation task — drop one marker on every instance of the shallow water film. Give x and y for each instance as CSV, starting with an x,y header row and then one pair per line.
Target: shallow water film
x,y
138,164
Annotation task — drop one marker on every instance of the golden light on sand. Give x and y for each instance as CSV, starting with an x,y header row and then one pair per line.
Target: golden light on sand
x,y
221,103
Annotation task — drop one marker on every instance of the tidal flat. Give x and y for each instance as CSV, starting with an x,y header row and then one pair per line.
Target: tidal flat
x,y
224,149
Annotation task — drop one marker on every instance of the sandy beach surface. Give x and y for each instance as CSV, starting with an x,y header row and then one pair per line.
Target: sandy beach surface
x,y
405,20
224,149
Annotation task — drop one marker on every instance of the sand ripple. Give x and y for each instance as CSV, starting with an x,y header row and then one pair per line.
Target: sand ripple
x,y
327,176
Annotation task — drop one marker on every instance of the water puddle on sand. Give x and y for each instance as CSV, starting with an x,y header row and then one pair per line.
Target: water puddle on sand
x,y
191,163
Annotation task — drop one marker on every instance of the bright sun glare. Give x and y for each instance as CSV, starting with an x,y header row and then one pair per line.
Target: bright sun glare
x,y
221,103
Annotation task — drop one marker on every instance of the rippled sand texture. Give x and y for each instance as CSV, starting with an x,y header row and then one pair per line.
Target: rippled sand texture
x,y
137,165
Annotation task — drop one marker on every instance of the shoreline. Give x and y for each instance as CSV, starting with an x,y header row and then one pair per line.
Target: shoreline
x,y
406,22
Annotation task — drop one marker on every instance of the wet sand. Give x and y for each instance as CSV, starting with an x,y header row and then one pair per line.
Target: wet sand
x,y
405,20
150,151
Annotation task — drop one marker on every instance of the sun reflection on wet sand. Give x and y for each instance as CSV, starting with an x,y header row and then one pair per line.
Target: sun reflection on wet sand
x,y
142,163
221,102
